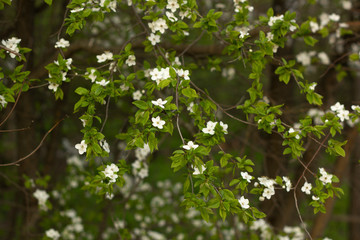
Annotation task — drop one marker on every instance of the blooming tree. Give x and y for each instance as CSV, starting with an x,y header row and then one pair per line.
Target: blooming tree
x,y
177,119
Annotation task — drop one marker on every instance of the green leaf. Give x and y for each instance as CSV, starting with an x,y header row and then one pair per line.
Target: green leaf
x,y
189,92
310,40
81,91
141,104
49,2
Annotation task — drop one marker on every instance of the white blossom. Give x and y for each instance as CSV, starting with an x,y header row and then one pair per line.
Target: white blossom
x,y
183,74
104,57
172,5
42,196
246,176
3,102
62,43
334,17
137,95
103,143
12,44
314,26
198,171
287,183
103,82
210,128
53,86
273,19
157,122
159,103
81,147
53,234
324,59
347,5
190,145
306,188
131,60
244,203
77,9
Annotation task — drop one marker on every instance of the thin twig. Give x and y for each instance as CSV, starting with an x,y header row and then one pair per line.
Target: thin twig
x,y
10,50
299,214
12,109
16,163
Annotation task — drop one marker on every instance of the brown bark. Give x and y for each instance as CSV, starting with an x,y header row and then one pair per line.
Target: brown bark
x,y
340,168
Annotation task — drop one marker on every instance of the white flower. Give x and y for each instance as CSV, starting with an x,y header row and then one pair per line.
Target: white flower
x,y
103,82
287,183
157,122
53,86
355,108
3,102
244,203
92,75
110,172
183,74
62,43
324,58
347,5
314,26
131,61
137,95
160,25
224,127
53,234
77,9
42,196
337,107
190,107
315,198
190,145
81,147
172,5
325,177
104,57
154,39
244,31
268,192
210,128
246,176
171,17
273,19
306,188
159,102
304,58
312,86
334,17
105,145
12,44
68,63
198,171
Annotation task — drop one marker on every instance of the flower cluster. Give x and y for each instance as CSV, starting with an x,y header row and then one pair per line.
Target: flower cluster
x,y
104,57
110,172
75,227
160,75
269,189
42,196
12,44
340,111
53,234
140,168
210,127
